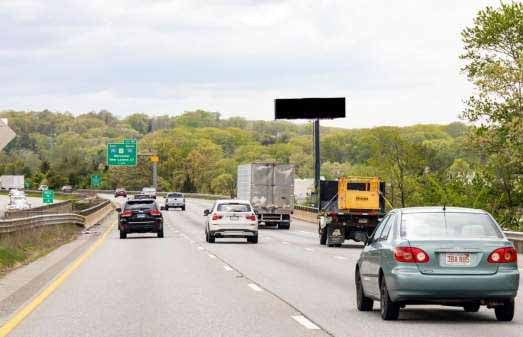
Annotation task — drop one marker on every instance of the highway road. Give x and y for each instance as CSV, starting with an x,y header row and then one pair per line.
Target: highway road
x,y
287,285
4,201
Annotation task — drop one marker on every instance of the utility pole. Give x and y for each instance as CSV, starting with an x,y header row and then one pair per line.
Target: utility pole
x,y
153,157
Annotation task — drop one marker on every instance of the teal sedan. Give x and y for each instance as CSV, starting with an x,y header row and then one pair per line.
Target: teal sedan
x,y
437,255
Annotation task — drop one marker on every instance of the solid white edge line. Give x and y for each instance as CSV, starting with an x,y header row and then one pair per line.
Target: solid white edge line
x,y
254,287
226,267
306,322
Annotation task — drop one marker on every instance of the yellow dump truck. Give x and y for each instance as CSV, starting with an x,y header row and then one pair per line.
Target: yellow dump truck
x,y
350,208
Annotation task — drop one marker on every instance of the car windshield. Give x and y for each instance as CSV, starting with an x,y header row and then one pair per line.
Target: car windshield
x,y
141,205
448,225
233,207
175,195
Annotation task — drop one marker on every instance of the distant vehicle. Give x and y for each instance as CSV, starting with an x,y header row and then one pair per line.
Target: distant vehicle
x,y
270,190
15,192
43,188
120,192
8,182
433,255
149,191
231,219
140,216
350,208
141,196
18,202
175,200
67,189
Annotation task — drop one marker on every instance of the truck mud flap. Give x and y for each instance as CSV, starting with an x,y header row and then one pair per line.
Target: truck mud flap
x,y
335,235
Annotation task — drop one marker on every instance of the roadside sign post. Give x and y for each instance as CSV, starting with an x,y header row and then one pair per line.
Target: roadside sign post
x,y
312,109
48,196
122,154
96,180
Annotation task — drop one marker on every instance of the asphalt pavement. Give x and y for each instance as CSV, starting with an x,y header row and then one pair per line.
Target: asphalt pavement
x,y
286,285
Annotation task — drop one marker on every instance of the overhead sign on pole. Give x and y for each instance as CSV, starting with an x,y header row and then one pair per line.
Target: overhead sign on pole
x,y
6,134
122,154
309,108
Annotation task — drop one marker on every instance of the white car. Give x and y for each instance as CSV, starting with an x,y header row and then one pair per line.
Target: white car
x,y
43,188
231,219
175,200
150,192
19,202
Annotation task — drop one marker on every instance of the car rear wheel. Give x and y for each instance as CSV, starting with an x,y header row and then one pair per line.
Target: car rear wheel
x,y
505,313
160,233
183,208
123,235
252,239
473,307
210,238
363,303
388,309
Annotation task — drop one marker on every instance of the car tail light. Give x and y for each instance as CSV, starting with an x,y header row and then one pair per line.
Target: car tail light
x,y
503,255
251,217
216,216
126,213
155,212
410,255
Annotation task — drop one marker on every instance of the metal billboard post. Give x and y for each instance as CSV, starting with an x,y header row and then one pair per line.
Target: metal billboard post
x,y
317,161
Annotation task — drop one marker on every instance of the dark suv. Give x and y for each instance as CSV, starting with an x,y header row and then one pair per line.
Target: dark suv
x,y
140,216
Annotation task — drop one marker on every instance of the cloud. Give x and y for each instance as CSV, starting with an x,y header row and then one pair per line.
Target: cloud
x,y
396,62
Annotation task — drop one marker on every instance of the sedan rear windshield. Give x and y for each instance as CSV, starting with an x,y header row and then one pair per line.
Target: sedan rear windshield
x,y
141,204
447,225
174,195
233,208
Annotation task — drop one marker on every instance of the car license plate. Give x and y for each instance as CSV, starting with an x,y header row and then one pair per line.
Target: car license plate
x,y
234,218
140,216
453,259
363,220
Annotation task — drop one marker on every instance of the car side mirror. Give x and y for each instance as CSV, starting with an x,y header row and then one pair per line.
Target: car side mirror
x,y
119,210
206,212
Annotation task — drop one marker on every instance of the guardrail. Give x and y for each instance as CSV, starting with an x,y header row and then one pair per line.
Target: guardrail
x,y
516,238
20,224
94,208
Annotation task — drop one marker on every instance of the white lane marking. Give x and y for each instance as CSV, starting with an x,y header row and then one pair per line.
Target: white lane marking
x,y
254,287
340,257
212,256
285,242
306,322
200,248
226,267
309,249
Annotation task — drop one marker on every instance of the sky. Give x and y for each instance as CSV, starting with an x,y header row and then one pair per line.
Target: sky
x,y
396,62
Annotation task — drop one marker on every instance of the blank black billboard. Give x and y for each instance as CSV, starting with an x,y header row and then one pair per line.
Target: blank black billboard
x,y
309,108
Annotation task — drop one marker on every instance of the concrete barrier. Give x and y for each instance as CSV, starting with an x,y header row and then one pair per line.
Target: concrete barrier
x,y
62,207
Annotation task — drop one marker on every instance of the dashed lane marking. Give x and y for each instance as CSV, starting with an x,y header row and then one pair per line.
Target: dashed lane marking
x,y
212,256
285,242
340,257
226,267
254,287
309,249
200,248
306,322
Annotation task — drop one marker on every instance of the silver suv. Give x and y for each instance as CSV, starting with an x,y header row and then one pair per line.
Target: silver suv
x,y
175,200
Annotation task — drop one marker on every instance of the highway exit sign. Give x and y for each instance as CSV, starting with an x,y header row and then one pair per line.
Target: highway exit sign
x,y
122,154
48,196
96,180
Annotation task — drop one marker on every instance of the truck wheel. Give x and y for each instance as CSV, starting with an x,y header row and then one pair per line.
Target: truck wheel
x,y
323,236
160,233
123,235
472,307
183,208
284,225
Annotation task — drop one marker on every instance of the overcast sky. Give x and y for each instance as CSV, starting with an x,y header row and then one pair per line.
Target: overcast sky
x,y
395,61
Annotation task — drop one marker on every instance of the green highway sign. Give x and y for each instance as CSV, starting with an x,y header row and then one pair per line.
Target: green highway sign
x,y
96,180
48,196
122,154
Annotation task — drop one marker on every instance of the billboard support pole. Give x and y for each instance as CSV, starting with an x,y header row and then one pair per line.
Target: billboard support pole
x,y
317,162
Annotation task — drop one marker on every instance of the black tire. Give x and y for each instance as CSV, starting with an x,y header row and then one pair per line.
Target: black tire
x,y
363,302
472,307
252,239
323,236
284,225
212,239
123,235
183,208
160,233
505,313
388,309
206,237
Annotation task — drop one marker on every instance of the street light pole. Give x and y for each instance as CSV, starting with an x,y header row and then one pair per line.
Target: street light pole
x,y
317,162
